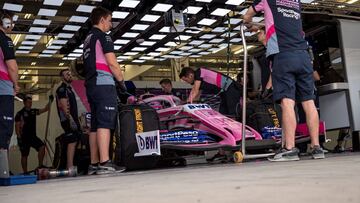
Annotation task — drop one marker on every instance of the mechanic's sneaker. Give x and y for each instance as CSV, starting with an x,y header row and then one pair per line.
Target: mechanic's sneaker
x,y
217,158
108,168
317,152
286,155
92,169
338,149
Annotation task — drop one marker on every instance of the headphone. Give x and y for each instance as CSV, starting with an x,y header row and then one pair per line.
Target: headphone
x,y
6,21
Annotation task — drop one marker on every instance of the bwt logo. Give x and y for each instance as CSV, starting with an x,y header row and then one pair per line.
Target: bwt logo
x,y
110,108
198,106
7,118
148,142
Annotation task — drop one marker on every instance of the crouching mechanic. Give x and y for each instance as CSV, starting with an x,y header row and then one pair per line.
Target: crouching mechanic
x,y
101,67
216,83
68,114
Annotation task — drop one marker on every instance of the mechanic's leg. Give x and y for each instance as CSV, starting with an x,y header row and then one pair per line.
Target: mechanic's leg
x,y
288,122
103,140
24,163
312,121
41,155
94,150
70,154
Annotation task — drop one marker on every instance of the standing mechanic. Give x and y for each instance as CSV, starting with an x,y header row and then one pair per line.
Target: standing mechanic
x,y
101,68
8,81
216,83
68,114
167,87
291,71
25,127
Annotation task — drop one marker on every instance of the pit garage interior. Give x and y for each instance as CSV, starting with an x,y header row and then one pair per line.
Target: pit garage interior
x,y
49,35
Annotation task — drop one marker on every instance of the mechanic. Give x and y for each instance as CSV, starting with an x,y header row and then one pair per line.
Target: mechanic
x,y
101,68
25,127
68,114
292,71
167,87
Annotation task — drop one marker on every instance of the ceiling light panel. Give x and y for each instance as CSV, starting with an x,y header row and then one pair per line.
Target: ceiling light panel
x,y
71,27
185,48
49,51
148,43
131,53
206,1
233,21
78,51
182,37
146,57
123,57
59,41
33,37
65,35
120,14
28,42
236,40
130,34
53,2
139,49
232,34
121,41
13,7
165,29
208,36
22,52
129,3
138,61
157,37
196,42
78,19
206,21
257,19
140,27
47,12
217,40
171,44
41,22
162,49
162,7
205,46
195,50
117,47
54,47
219,29
176,52
185,54
37,29
150,18
74,55
154,54
85,8
26,47
220,12
234,2
45,55
192,10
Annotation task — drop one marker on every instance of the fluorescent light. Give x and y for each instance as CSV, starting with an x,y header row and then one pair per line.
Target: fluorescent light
x,y
162,49
49,51
220,12
233,21
33,64
117,47
232,34
176,52
29,42
34,37
26,47
257,19
236,40
85,8
235,2
185,48
59,41
13,7
45,55
124,57
157,37
162,7
204,53
205,46
139,27
54,47
196,42
121,41
351,1
154,54
120,14
195,50
217,40
22,52
65,35
165,29
129,3
219,29
74,55
139,49
71,27
171,44
306,1
171,56
207,36
195,56
130,34
138,61
15,18
148,43
185,54
192,10
206,21
69,58
53,2
47,12
183,37
131,53
61,64
78,51
41,22
81,46
150,18
78,19
37,29
243,11
146,57
206,1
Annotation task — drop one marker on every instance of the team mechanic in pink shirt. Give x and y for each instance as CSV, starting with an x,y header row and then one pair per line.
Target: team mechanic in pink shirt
x,y
292,71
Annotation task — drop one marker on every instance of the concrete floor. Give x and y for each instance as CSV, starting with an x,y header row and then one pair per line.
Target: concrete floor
x,y
335,179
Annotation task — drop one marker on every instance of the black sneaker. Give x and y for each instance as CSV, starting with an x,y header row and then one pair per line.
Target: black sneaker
x,y
338,149
92,169
317,152
286,155
108,168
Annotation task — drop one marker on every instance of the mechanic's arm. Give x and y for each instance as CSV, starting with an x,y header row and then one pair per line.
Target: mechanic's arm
x,y
195,91
249,15
13,73
316,76
18,128
45,109
269,83
114,66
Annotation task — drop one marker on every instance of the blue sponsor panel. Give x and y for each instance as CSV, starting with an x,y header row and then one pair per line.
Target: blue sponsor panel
x,y
186,137
271,132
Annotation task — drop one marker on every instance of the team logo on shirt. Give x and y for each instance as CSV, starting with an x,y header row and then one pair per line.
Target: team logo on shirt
x,y
108,38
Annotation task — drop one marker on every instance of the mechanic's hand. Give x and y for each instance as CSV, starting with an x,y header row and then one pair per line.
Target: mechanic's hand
x,y
20,142
16,89
266,93
51,98
121,86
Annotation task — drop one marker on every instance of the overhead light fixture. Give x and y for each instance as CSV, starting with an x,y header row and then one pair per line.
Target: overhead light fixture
x,y
54,47
117,47
150,18
306,1
65,35
217,40
81,46
74,55
131,53
129,3
28,16
204,53
29,42
257,19
185,54
182,37
59,41
45,55
22,52
78,51
47,12
196,42
186,48
33,37
61,64
195,50
71,27
17,38
85,8
41,22
351,1
206,1
243,12
236,40
37,29
49,51
235,2
162,49
119,14
139,49
139,27
138,61
192,10
33,63
26,47
234,21
171,44
219,29
176,52
123,57
208,36
121,41
53,2
205,46
206,21
220,12
147,43
154,54
146,57
341,6
13,7
232,34
157,37
130,34
162,7
78,19
165,29
69,58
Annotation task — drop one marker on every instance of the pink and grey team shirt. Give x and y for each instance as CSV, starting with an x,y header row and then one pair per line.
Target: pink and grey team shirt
x,y
212,81
96,45
283,25
6,53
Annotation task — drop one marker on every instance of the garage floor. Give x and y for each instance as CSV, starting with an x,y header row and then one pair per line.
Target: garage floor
x,y
335,179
